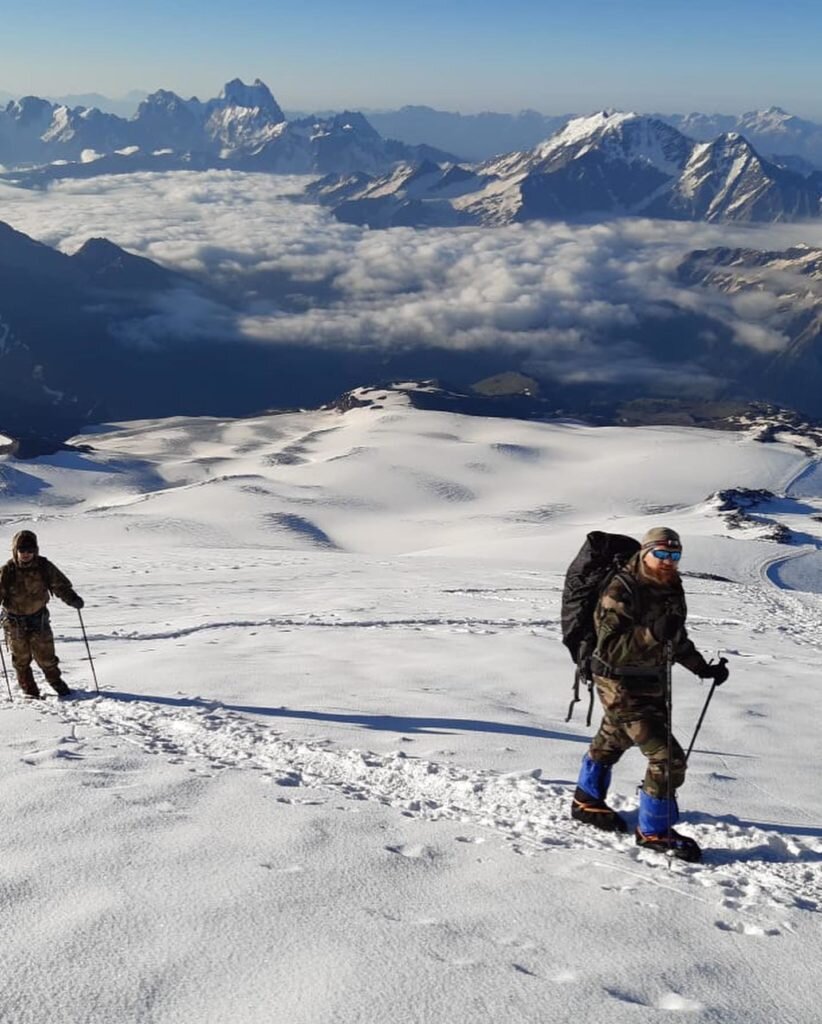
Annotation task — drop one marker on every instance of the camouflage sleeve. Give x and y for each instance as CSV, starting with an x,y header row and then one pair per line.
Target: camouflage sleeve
x,y
620,639
686,654
59,584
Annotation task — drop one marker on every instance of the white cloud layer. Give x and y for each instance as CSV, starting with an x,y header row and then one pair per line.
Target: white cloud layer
x,y
288,272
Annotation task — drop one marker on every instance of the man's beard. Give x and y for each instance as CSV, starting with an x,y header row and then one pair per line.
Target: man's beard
x,y
661,574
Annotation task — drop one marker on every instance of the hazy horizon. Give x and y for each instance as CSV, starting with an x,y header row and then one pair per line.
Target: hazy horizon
x,y
135,96
458,57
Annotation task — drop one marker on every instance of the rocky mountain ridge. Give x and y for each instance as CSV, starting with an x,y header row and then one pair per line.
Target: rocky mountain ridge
x,y
774,132
779,295
244,128
780,136
609,164
515,396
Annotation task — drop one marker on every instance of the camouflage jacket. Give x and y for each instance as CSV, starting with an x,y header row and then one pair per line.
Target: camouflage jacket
x,y
626,609
25,590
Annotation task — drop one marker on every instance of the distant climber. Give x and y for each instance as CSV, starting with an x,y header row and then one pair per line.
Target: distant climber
x,y
27,581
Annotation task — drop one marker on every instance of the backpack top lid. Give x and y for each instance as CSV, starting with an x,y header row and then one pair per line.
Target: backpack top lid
x,y
598,559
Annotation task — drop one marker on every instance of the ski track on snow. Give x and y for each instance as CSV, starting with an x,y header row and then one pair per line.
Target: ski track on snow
x,y
748,872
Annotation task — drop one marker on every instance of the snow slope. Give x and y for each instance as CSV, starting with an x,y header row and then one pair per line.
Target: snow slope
x,y
327,776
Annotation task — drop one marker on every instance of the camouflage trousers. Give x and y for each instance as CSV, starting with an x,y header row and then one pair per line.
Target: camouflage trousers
x,y
26,644
635,715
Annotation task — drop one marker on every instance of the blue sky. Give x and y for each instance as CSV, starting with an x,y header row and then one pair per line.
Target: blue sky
x,y
503,55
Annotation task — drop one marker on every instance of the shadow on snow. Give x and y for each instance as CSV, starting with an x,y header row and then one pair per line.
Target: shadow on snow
x,y
387,723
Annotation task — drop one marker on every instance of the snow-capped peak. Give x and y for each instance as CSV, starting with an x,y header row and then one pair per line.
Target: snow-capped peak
x,y
256,96
581,129
621,136
774,119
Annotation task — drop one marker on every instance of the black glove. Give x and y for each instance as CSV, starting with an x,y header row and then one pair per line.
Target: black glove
x,y
719,672
75,601
666,627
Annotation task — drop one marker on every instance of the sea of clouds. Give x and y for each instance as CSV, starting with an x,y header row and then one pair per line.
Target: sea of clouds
x,y
277,270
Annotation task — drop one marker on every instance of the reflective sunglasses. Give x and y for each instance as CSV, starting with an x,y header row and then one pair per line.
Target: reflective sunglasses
x,y
663,555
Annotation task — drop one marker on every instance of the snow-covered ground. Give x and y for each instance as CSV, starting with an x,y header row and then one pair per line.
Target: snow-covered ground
x,y
327,777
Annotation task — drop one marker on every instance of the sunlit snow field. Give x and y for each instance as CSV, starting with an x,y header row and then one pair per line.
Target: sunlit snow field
x,y
328,774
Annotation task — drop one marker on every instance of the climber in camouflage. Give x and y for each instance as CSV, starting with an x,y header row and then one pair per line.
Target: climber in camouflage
x,y
640,618
27,581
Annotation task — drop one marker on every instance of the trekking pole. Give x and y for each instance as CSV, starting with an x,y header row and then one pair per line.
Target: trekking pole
x,y
722,661
669,658
88,649
5,671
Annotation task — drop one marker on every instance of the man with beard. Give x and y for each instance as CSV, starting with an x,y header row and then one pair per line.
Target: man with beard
x,y
27,581
640,622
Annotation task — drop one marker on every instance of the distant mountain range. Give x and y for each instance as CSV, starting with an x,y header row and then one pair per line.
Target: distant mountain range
x,y
244,128
778,135
775,133
74,347
475,137
611,164
124,106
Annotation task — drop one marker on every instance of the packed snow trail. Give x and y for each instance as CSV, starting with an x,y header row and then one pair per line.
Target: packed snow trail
x,y
753,868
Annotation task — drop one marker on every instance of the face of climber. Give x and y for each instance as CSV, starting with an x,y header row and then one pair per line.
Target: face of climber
x,y
662,563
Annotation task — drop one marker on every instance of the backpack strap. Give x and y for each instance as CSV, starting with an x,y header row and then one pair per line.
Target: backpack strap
x,y
628,584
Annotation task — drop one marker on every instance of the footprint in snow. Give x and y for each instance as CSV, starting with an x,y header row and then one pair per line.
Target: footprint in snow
x,y
746,928
626,997
290,869
40,758
459,961
522,969
413,852
674,1001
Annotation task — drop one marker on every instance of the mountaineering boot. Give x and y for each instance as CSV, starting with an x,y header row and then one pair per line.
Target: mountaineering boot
x,y
655,829
586,809
672,843
27,684
55,681
588,804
